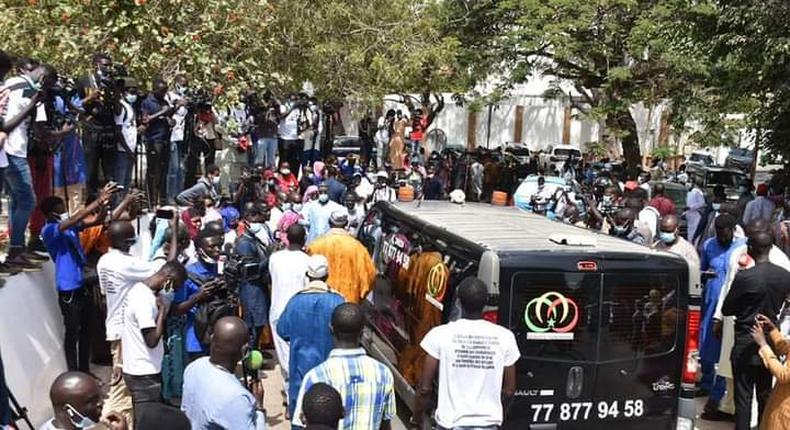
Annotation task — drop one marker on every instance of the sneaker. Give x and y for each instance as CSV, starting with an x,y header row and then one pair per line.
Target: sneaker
x,y
35,257
36,245
22,264
6,270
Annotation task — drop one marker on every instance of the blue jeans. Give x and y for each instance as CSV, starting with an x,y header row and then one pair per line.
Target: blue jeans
x,y
175,179
123,166
19,183
266,151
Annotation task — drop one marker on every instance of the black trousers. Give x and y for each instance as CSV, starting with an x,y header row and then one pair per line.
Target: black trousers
x,y
146,391
99,145
77,310
158,159
292,153
749,375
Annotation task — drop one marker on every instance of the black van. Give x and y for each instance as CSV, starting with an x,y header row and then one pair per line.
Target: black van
x,y
607,329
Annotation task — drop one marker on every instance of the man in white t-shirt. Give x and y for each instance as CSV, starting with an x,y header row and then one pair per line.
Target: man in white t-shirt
x,y
289,132
126,120
118,271
470,391
288,270
144,317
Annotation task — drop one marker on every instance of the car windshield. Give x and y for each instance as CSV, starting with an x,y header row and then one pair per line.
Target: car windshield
x,y
521,152
702,158
567,153
725,179
740,152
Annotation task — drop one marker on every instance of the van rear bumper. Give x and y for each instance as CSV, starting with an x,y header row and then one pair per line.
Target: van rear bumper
x,y
687,409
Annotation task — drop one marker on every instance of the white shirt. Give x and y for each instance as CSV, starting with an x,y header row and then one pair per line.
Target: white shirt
x,y
470,393
289,126
118,272
140,313
649,216
16,144
759,208
288,270
179,117
383,133
128,123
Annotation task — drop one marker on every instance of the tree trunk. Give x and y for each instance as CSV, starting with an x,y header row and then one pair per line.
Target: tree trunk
x,y
622,124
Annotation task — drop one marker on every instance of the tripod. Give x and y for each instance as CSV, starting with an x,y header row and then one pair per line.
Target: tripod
x,y
19,412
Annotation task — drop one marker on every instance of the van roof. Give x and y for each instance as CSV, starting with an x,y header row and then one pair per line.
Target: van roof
x,y
500,228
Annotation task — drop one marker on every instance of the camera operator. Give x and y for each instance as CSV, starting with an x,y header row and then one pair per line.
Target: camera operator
x,y
98,94
312,151
14,156
198,287
178,100
156,112
255,253
200,136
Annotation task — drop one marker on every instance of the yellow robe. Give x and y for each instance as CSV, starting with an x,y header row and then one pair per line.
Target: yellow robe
x,y
351,269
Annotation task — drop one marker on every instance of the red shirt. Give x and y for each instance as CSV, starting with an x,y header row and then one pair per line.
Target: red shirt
x,y
665,206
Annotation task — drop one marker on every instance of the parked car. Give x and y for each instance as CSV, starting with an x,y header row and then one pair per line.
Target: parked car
x,y
345,145
554,158
740,158
519,151
730,179
699,160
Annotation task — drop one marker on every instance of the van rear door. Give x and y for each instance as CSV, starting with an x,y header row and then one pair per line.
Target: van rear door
x,y
596,348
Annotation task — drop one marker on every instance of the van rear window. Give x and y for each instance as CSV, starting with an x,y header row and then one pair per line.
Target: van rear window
x,y
585,317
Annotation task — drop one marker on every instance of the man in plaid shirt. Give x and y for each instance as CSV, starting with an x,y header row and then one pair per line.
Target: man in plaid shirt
x,y
365,385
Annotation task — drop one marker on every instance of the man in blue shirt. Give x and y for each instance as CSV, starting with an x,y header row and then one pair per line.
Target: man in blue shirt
x,y
61,238
190,294
252,291
335,188
156,112
213,396
304,324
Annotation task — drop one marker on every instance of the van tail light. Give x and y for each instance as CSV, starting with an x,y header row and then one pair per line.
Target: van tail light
x,y
491,316
691,355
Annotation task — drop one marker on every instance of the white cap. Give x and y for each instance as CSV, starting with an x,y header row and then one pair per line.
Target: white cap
x,y
317,267
457,196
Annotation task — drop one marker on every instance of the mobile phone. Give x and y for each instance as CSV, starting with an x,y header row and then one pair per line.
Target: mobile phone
x,y
164,214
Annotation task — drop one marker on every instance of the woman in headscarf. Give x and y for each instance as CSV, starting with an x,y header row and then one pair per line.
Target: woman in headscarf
x,y
291,215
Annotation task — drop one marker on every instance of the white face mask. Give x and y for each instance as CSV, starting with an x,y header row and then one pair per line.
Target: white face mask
x,y
64,216
131,98
285,172
215,180
256,227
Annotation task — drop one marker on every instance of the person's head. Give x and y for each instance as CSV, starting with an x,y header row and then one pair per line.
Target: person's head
x,y
45,75
181,83
323,194
182,239
296,236
762,190
759,245
5,64
213,174
76,399
338,219
322,406
725,227
757,226
102,64
541,182
390,114
347,324
351,200
634,203
130,91
208,245
122,235
623,221
255,215
658,190
473,295
208,202
571,214
53,208
331,172
381,179
159,88
169,277
162,416
352,159
317,268
285,168
229,341
719,195
668,231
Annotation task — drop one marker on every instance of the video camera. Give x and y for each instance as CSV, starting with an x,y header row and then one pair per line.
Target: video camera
x,y
113,79
199,100
238,269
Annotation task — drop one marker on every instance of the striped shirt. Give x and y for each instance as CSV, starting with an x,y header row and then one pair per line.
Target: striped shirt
x,y
365,385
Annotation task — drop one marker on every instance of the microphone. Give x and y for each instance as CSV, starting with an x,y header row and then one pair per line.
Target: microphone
x,y
253,360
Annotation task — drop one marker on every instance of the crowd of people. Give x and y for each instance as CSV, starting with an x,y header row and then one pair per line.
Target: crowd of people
x,y
250,214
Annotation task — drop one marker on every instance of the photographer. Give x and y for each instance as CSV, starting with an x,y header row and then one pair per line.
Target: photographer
x,y
157,141
198,288
18,176
201,136
290,131
98,94
255,253
126,119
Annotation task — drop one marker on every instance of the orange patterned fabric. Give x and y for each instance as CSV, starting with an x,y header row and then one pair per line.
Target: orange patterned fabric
x,y
95,238
351,269
426,274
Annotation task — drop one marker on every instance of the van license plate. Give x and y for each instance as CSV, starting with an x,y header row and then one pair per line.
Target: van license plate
x,y
549,412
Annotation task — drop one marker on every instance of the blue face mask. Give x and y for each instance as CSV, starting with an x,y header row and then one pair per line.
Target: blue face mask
x,y
287,206
716,206
255,227
323,198
667,238
77,419
620,230
298,207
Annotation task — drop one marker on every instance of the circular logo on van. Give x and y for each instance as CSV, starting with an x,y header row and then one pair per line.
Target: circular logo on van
x,y
551,312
